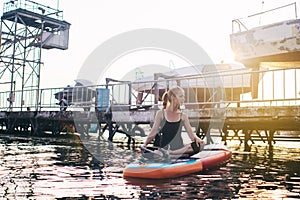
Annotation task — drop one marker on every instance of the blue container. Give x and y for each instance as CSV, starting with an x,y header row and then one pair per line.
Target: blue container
x,y
102,99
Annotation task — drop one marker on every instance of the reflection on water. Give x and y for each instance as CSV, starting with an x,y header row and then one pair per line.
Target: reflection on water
x,y
48,168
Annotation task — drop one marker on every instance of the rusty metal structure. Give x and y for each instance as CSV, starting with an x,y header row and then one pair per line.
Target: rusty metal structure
x,y
270,42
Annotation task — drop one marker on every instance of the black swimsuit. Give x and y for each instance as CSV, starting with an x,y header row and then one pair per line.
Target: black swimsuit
x,y
171,134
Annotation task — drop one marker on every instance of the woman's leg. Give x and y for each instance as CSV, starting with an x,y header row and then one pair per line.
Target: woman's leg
x,y
187,149
192,148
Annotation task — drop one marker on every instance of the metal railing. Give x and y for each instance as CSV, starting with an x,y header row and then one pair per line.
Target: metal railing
x,y
33,7
246,88
264,17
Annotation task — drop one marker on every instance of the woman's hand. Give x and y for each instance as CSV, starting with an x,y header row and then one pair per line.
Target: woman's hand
x,y
199,142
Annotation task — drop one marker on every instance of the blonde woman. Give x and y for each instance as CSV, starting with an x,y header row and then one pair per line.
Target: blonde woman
x,y
168,124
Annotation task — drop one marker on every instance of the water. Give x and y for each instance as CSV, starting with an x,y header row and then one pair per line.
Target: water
x,y
63,168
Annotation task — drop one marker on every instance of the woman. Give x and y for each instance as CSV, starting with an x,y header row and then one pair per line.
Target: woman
x,y
168,123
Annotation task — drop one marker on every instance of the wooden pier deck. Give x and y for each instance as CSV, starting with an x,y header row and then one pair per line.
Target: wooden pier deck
x,y
238,123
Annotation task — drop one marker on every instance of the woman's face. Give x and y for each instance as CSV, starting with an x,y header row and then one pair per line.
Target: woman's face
x,y
180,97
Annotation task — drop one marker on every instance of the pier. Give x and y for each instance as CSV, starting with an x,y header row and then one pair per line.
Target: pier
x,y
245,119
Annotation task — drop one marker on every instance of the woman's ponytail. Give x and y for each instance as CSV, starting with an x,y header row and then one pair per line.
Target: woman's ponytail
x,y
165,99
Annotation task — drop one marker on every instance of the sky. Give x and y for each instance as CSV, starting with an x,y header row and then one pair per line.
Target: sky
x,y
208,23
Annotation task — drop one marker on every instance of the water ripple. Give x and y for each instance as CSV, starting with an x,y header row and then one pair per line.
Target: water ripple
x,y
49,168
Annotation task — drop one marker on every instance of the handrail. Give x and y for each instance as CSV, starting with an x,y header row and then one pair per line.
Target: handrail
x,y
241,24
266,92
280,7
33,7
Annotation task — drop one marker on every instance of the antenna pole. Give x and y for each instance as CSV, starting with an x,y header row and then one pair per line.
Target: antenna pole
x,y
57,5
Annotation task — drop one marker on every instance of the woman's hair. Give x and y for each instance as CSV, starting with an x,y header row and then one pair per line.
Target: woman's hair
x,y
171,92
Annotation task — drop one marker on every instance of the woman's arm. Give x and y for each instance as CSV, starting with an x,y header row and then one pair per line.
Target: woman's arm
x,y
154,129
190,131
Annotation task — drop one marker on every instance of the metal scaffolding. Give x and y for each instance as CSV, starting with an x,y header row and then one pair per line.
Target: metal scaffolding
x,y
26,28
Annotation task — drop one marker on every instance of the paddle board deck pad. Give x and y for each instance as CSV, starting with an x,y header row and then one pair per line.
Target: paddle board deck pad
x,y
211,156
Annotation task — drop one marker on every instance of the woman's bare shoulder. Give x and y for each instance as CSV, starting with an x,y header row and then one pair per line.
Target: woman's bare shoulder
x,y
159,113
184,115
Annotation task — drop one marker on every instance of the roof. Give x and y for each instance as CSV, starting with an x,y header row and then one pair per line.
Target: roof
x,y
200,76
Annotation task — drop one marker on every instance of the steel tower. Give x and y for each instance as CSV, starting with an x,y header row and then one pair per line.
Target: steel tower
x,y
27,27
